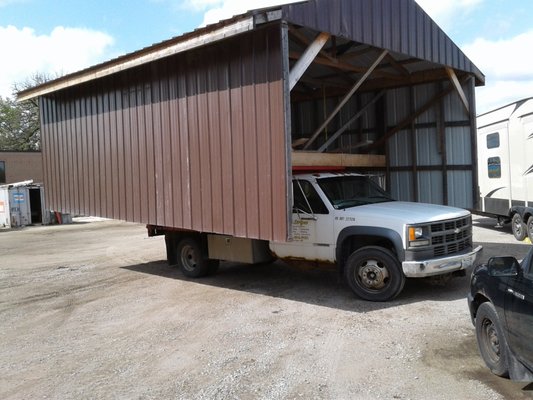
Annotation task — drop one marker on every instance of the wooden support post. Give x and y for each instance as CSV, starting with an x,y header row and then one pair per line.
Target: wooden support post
x,y
307,58
458,88
347,124
346,98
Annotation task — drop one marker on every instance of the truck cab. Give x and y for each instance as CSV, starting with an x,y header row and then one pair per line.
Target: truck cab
x,y
348,220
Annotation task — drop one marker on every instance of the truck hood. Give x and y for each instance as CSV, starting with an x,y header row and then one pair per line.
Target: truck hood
x,y
407,212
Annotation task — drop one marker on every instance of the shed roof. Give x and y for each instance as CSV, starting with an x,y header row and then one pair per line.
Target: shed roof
x,y
400,26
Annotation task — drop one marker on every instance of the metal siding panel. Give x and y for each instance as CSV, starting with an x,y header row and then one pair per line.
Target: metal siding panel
x,y
128,168
401,186
250,141
204,139
215,155
80,185
458,145
263,130
114,152
184,155
151,203
237,128
175,150
121,157
167,147
460,189
134,133
143,150
428,147
194,150
108,157
101,154
226,144
430,186
400,149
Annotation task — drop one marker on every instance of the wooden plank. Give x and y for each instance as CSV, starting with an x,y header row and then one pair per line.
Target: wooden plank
x,y
458,88
312,158
307,58
346,98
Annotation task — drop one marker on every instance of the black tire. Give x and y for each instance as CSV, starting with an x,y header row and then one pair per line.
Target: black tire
x,y
519,228
192,261
374,273
530,228
491,340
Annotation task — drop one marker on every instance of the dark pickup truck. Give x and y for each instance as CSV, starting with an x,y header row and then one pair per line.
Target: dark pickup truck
x,y
501,307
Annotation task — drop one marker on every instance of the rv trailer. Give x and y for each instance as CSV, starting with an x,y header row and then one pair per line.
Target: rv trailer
x,y
505,165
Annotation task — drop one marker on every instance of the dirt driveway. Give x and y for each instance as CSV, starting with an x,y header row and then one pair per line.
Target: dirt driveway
x,y
91,310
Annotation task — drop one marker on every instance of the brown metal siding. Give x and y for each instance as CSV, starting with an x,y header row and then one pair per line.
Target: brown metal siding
x,y
196,141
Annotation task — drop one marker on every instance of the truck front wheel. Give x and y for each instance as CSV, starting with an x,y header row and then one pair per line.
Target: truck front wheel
x,y
374,273
192,261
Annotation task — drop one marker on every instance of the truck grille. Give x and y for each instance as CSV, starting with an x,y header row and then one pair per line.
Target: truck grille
x,y
451,236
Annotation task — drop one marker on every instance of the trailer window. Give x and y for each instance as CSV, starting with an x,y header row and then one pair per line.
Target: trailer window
x,y
493,140
495,167
2,172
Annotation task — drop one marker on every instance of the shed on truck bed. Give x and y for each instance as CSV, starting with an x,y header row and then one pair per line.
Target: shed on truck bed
x,y
197,132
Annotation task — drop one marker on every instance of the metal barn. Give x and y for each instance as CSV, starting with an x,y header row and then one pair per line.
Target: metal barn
x,y
202,131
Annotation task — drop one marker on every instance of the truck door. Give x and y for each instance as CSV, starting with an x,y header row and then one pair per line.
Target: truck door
x,y
312,227
519,312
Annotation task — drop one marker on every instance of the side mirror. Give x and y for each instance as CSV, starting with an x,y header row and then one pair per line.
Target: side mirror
x,y
503,266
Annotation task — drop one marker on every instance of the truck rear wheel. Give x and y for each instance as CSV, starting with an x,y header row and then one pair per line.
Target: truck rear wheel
x,y
519,227
374,273
192,260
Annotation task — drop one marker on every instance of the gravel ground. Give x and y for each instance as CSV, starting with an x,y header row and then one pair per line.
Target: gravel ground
x,y
91,310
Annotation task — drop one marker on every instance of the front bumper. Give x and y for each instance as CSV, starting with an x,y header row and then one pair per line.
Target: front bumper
x,y
438,266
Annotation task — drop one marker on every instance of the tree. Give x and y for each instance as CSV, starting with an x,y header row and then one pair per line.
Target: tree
x,y
19,122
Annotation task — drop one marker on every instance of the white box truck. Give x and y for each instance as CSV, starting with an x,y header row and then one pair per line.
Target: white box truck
x,y
505,165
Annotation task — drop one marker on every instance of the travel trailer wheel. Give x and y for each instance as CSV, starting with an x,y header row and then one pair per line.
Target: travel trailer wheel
x,y
519,228
530,228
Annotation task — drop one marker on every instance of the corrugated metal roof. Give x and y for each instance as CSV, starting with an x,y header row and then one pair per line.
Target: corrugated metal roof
x,y
400,26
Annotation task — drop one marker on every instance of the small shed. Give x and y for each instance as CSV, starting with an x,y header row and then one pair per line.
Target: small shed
x,y
202,131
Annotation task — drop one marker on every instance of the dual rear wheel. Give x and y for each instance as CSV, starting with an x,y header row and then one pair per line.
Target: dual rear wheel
x,y
192,260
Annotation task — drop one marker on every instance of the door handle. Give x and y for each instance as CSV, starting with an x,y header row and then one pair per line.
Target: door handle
x,y
516,294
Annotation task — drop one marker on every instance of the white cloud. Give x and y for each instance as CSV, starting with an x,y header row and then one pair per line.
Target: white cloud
x,y
224,9
62,51
506,64
445,11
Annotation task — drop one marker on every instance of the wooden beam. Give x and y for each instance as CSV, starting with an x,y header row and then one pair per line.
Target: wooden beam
x,y
350,121
346,98
458,88
314,159
307,58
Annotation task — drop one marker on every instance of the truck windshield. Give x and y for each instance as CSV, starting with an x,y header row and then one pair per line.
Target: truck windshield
x,y
352,191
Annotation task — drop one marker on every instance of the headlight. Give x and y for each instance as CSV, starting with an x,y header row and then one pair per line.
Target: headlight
x,y
418,236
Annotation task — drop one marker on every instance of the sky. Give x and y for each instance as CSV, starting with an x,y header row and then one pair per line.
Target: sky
x,y
56,37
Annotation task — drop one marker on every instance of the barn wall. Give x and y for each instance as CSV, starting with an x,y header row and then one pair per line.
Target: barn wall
x,y
195,141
